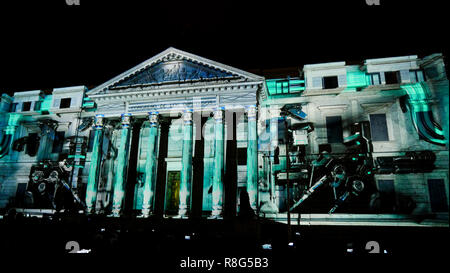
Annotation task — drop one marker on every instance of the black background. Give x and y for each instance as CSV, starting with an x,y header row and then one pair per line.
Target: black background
x,y
48,44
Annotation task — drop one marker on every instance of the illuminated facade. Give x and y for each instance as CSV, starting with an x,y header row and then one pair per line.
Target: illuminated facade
x,y
182,136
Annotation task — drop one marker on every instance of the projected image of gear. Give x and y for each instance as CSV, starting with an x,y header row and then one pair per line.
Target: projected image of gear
x,y
41,188
37,176
53,177
357,186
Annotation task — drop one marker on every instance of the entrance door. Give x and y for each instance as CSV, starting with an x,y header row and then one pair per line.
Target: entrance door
x,y
172,192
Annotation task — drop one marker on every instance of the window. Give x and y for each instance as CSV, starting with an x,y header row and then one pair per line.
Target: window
x,y
20,194
281,129
242,156
58,142
387,194
392,77
378,127
282,86
26,106
334,129
37,106
14,107
416,76
374,79
65,103
32,144
438,200
324,148
330,82
172,192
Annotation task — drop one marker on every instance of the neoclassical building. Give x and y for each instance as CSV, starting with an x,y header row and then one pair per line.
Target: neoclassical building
x,y
183,136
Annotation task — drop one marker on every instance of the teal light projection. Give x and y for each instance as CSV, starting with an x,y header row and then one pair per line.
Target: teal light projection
x,y
357,79
217,186
252,157
285,86
150,165
119,183
13,122
419,99
91,190
186,165
46,104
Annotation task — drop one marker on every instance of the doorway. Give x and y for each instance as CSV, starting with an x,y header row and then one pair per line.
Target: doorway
x,y
172,193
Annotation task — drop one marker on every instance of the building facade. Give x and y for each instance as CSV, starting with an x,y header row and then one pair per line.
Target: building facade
x,y
183,136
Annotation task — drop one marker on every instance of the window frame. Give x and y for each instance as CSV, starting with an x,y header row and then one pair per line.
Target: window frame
x,y
397,75
324,85
58,143
386,124
28,103
371,75
61,104
329,129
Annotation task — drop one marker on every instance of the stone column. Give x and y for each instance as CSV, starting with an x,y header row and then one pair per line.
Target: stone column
x,y
186,165
217,186
150,166
91,190
122,158
252,156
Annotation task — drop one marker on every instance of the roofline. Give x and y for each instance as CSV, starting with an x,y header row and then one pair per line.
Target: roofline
x,y
169,50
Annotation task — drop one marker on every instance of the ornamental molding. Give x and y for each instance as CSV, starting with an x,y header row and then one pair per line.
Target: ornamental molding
x,y
373,107
341,107
169,55
182,91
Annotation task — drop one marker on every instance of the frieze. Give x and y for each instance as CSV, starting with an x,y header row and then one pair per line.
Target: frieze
x,y
172,105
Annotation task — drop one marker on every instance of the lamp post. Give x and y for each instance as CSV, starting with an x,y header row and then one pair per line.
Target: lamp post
x,y
288,196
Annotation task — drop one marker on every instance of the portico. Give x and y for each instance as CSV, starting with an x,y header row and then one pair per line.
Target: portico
x,y
186,95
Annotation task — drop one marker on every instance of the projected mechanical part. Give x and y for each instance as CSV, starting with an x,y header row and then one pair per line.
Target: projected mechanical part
x,y
350,176
338,174
310,191
357,186
418,103
411,162
294,110
48,187
85,124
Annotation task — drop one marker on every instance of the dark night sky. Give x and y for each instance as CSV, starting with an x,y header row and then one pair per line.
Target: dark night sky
x,y
47,44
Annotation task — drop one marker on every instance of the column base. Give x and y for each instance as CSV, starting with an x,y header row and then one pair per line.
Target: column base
x,y
186,216
90,210
116,212
216,213
269,207
183,213
146,213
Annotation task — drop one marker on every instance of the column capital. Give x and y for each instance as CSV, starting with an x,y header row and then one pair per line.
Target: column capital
x,y
275,111
126,120
99,121
187,116
153,117
251,112
219,114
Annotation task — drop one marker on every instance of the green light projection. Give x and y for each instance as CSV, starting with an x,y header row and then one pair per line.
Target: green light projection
x,y
356,79
419,100
285,86
46,104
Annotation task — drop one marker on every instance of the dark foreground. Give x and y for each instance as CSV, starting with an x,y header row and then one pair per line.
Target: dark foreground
x,y
213,245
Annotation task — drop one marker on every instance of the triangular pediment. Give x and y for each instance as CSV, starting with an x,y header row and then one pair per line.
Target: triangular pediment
x,y
174,66
173,71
